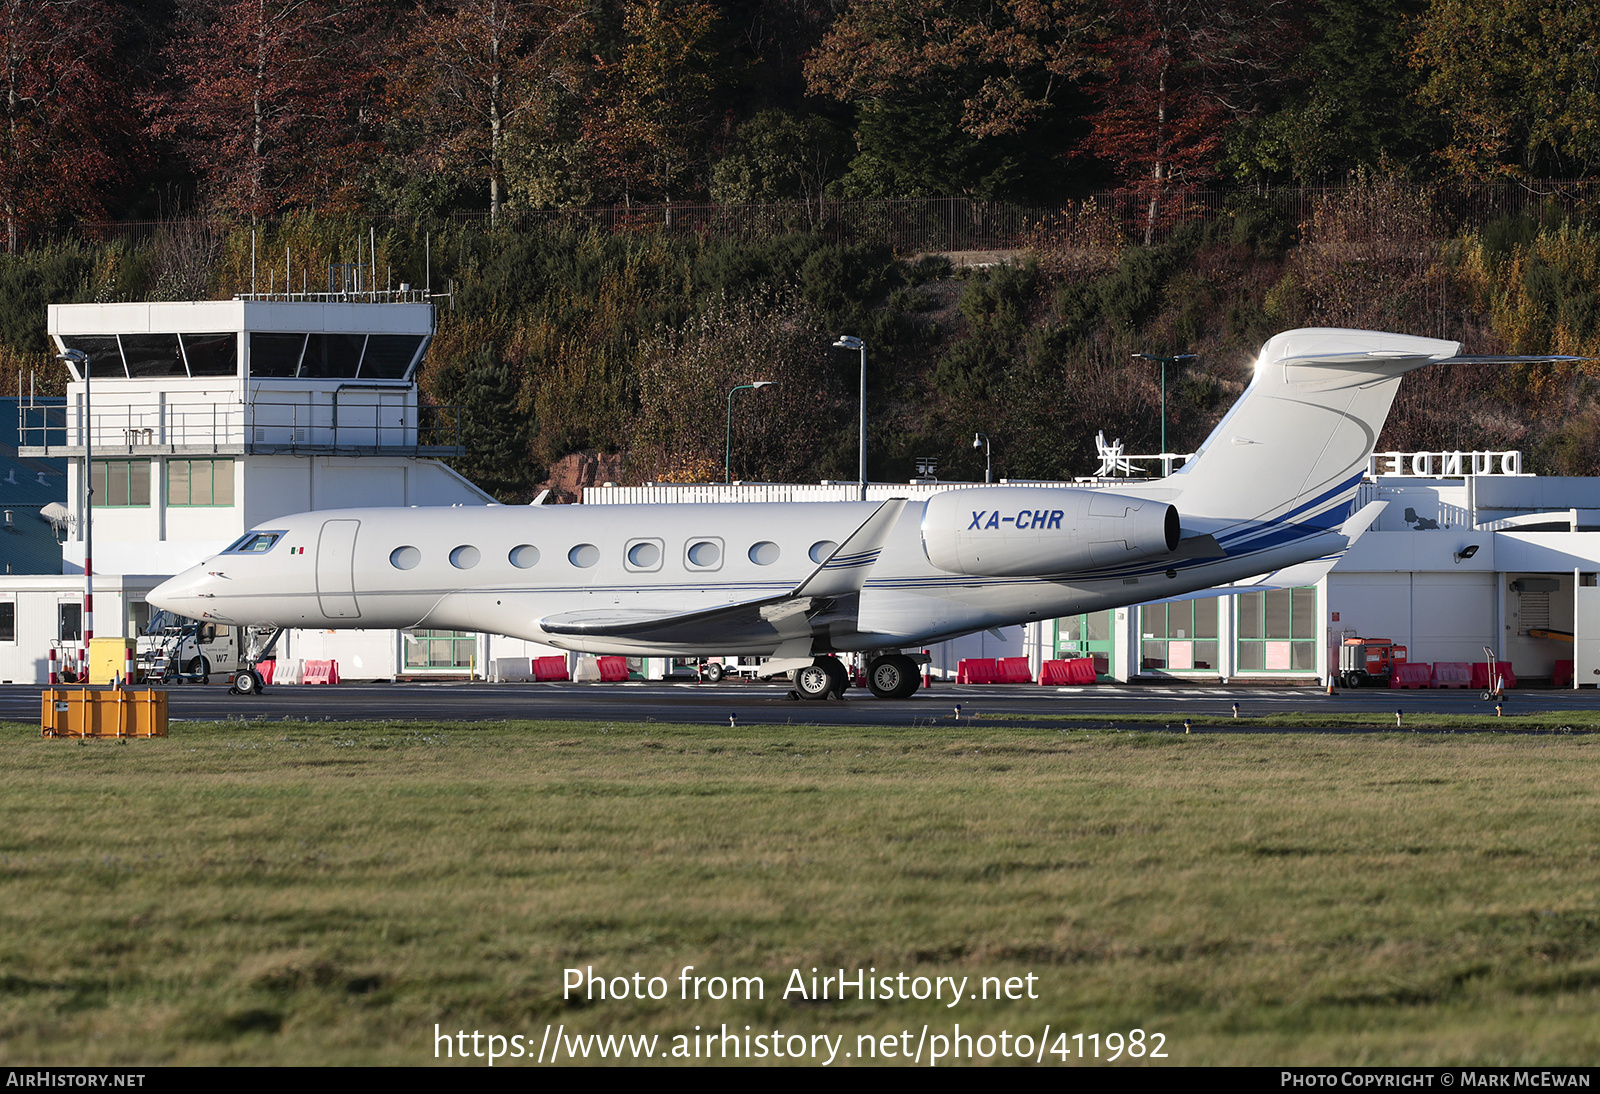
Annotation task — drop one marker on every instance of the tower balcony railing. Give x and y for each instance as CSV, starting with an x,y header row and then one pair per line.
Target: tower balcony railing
x,y
258,428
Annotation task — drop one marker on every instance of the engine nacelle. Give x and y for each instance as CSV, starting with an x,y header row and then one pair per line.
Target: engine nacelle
x,y
1019,531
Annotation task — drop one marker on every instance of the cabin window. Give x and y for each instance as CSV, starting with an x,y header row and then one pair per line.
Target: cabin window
x,y
764,553
822,549
200,482
464,557
644,554
704,554
584,555
405,558
523,555
122,484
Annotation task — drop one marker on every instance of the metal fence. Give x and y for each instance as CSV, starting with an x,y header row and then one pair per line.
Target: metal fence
x,y
942,224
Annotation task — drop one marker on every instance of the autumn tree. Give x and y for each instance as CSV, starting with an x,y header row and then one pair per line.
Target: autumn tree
x,y
62,113
1517,83
474,76
651,106
272,100
940,84
1172,75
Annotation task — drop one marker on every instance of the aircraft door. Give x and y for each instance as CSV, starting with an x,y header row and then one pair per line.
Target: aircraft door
x,y
336,584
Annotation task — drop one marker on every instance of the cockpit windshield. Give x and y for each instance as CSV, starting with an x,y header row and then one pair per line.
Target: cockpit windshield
x,y
253,543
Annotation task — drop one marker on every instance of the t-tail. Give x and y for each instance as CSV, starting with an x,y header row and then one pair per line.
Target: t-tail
x,y
1284,463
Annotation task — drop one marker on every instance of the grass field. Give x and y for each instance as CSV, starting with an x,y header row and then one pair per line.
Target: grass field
x,y
307,893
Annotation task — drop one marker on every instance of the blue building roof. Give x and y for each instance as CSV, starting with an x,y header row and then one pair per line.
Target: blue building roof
x,y
28,543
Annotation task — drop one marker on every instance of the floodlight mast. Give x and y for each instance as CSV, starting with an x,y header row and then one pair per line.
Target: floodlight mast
x,y
850,341
86,630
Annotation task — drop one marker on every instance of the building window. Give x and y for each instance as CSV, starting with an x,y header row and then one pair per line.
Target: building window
x,y
8,621
1179,637
1278,631
69,622
200,482
1086,636
429,649
122,484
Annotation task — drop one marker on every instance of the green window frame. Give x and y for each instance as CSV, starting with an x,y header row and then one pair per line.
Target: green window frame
x,y
121,484
200,482
1277,631
1180,636
434,649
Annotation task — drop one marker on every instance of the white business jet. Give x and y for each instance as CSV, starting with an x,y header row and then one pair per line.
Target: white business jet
x,y
1269,492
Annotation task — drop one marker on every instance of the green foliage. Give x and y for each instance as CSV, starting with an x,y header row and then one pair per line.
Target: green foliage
x,y
29,282
496,426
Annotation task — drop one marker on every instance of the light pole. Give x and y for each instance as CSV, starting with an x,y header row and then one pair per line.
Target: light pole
x,y
982,439
850,341
1165,361
727,453
81,359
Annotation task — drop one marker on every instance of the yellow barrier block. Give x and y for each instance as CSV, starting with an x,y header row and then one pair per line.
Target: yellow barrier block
x,y
113,713
108,658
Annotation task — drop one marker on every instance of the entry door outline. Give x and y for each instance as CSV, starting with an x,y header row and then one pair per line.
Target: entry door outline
x,y
336,565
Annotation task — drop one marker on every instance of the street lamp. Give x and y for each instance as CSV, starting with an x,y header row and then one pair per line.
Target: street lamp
x,y
727,453
79,358
850,341
982,440
1165,361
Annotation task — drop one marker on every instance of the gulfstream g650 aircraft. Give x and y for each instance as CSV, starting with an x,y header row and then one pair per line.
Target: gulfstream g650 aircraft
x,y
1270,488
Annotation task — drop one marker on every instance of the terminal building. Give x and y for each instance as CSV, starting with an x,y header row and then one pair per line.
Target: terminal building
x,y
201,420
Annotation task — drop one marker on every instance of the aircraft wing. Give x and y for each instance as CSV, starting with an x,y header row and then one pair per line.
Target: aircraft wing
x,y
787,615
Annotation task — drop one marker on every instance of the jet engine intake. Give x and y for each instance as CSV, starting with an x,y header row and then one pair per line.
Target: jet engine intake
x,y
1043,532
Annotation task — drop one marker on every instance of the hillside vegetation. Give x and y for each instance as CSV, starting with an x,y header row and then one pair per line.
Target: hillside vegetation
x,y
558,341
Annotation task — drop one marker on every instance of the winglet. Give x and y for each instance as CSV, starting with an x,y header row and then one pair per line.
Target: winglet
x,y
846,569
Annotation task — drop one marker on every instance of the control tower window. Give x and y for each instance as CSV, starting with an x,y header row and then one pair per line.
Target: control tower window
x,y
152,355
332,356
212,354
275,355
105,359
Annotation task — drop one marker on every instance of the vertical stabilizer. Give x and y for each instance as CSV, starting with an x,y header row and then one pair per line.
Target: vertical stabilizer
x,y
1294,447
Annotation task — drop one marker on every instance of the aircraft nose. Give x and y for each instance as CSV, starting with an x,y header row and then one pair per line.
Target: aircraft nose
x,y
185,594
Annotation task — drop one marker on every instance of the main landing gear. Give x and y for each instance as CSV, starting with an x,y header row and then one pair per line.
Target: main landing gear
x,y
889,676
823,677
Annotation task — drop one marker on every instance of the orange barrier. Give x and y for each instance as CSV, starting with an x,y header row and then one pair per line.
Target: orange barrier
x,y
977,670
1452,674
550,668
1480,675
613,669
267,669
1412,674
321,672
1562,676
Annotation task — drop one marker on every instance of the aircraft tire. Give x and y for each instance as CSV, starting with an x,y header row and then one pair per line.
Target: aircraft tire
x,y
836,672
247,683
814,682
893,677
714,673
